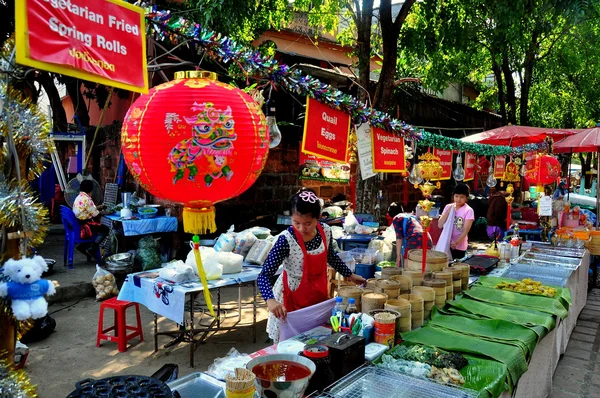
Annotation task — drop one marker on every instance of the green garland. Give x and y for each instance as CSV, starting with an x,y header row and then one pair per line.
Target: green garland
x,y
447,143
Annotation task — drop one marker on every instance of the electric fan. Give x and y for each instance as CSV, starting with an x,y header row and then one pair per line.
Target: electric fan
x,y
72,190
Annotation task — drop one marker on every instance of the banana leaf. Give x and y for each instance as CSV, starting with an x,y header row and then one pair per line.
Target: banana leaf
x,y
497,330
486,376
511,356
521,316
512,299
563,294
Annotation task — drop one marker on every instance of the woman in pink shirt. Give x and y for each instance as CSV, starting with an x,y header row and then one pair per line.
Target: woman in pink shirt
x,y
463,220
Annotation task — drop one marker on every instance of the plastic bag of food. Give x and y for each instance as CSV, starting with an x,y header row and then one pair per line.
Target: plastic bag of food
x,y
224,366
259,252
384,248
362,229
177,271
105,284
244,242
226,242
211,266
261,232
389,235
147,254
333,211
350,223
231,262
337,232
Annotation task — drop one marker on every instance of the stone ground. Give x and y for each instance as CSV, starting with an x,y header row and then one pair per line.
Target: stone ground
x,y
70,354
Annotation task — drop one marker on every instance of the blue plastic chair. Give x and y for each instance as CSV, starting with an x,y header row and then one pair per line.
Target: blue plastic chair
x,y
72,235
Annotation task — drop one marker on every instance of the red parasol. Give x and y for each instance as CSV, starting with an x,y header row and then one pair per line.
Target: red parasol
x,y
514,136
585,141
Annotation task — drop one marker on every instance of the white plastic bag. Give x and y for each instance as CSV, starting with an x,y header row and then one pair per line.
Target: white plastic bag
x,y
211,266
177,271
333,211
362,229
226,242
224,366
244,242
104,283
337,232
389,235
350,222
231,262
384,248
443,244
259,252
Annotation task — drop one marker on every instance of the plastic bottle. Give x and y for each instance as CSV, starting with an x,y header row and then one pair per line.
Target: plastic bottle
x,y
351,308
339,306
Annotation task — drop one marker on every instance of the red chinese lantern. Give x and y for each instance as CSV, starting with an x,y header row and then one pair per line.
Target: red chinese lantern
x,y
195,141
545,170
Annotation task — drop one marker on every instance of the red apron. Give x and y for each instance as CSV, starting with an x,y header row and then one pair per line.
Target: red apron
x,y
313,288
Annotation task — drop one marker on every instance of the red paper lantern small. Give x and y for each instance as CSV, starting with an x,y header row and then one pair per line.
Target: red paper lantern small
x,y
195,141
546,169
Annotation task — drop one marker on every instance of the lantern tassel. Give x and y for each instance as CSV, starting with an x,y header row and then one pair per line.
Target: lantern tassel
x,y
202,274
199,221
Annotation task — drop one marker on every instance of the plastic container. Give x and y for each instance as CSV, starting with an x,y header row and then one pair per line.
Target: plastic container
x,y
339,306
351,308
367,271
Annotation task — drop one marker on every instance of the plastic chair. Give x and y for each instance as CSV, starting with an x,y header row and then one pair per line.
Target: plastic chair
x,y
72,235
120,326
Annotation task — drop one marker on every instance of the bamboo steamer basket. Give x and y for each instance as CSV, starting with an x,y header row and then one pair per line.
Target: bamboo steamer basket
x,y
447,276
401,305
426,315
405,324
372,283
389,287
456,272
426,292
428,305
416,302
416,276
405,282
417,319
594,243
450,295
435,260
438,285
388,272
457,285
373,301
352,292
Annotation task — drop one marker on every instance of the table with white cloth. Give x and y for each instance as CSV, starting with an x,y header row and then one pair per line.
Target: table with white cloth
x,y
143,226
169,299
537,381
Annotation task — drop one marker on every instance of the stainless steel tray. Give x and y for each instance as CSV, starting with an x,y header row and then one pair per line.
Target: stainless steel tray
x,y
548,276
198,385
553,259
374,382
545,264
558,251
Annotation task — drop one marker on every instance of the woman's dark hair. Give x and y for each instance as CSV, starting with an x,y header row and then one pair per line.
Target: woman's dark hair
x,y
393,209
461,189
86,186
305,201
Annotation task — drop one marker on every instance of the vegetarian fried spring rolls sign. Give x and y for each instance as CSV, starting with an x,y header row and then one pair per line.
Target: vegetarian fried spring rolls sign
x,y
103,41
388,152
326,132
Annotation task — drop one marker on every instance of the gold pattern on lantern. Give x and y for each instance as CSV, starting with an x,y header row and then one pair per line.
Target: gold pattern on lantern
x,y
430,168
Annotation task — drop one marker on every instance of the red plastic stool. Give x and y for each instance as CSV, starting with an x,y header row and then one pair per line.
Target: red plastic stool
x,y
120,326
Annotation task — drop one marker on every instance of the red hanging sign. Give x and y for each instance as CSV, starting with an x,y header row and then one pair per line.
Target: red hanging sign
x,y
470,159
103,41
388,152
445,161
326,132
530,161
499,166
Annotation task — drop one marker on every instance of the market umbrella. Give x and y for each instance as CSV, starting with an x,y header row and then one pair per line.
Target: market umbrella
x,y
585,141
513,135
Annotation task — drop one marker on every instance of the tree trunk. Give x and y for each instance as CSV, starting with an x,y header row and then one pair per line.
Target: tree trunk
x,y
501,95
79,107
511,96
59,116
390,32
363,21
526,85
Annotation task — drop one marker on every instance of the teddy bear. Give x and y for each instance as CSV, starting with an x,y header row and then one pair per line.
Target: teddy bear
x,y
26,289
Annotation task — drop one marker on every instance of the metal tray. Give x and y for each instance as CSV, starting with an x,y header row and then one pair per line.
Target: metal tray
x,y
551,258
374,382
548,276
197,385
546,264
558,251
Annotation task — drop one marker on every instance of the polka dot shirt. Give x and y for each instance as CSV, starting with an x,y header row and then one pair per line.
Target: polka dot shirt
x,y
281,251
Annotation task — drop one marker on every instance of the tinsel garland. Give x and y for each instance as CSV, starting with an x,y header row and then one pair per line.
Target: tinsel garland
x,y
14,383
36,214
166,27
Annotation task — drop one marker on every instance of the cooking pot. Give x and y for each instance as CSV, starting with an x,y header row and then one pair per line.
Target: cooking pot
x,y
121,386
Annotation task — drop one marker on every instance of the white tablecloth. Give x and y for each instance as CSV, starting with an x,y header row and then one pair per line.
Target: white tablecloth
x,y
167,298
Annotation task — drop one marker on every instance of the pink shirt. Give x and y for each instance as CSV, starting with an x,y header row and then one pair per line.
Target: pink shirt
x,y
460,216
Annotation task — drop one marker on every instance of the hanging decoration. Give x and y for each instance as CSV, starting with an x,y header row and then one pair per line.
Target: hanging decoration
x,y
177,30
470,166
459,171
195,141
14,383
509,200
545,170
430,169
511,173
491,179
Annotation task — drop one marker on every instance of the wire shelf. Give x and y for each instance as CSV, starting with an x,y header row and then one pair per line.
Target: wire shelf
x,y
375,382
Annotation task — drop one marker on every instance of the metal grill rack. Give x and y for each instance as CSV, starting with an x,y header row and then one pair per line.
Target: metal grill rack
x,y
374,382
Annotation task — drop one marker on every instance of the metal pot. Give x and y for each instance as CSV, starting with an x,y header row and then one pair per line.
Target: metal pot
x,y
50,263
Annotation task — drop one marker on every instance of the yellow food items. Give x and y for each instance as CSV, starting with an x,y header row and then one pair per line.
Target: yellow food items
x,y
528,285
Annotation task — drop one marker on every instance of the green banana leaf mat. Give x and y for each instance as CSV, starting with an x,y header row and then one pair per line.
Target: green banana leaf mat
x,y
563,294
513,357
497,330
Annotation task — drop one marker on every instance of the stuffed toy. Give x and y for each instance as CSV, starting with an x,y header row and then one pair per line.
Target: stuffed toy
x,y
25,289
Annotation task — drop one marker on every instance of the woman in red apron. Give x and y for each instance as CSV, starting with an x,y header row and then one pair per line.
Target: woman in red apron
x,y
304,250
